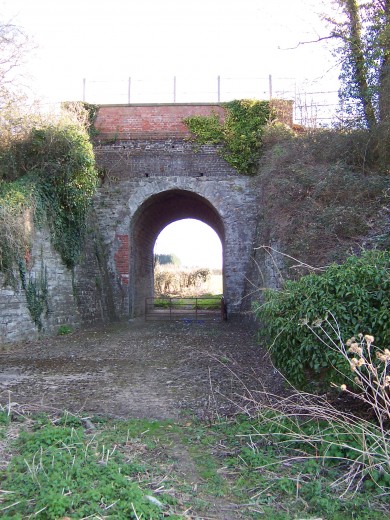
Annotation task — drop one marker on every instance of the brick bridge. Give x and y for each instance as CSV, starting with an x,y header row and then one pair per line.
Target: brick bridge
x,y
153,176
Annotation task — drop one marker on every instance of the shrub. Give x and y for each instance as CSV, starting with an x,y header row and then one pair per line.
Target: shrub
x,y
357,293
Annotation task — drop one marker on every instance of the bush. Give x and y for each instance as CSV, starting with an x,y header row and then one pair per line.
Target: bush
x,y
356,293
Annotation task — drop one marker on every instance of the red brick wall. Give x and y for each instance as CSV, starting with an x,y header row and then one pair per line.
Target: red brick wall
x,y
164,120
149,121
122,258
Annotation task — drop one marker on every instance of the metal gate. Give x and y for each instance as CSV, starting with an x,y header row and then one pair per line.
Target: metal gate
x,y
185,309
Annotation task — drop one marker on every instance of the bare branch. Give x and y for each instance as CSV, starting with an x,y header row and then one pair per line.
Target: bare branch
x,y
319,39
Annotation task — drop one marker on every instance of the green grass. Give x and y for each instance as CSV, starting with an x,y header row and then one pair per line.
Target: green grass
x,y
202,303
129,469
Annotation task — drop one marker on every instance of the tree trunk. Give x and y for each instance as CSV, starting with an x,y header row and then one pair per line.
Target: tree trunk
x,y
384,73
355,43
384,91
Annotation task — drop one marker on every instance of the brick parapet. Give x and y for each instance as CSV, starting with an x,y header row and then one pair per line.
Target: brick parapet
x,y
146,121
164,121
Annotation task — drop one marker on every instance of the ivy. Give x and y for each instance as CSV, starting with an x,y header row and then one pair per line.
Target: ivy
x,y
48,177
240,134
36,290
59,170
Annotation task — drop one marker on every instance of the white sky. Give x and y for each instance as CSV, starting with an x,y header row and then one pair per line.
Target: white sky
x,y
195,243
197,40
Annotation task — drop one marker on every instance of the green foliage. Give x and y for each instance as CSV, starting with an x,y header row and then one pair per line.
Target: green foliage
x,y
36,290
357,293
64,329
289,462
363,32
17,204
240,134
55,165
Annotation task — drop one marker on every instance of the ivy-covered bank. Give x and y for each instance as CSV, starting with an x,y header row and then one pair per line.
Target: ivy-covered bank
x,y
47,180
239,134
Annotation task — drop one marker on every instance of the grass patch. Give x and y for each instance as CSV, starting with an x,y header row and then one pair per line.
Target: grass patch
x,y
127,469
201,303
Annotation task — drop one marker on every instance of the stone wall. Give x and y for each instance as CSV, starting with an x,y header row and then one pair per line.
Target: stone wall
x,y
45,269
234,200
81,297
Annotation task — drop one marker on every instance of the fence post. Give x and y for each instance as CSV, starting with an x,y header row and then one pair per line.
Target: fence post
x,y
84,81
174,89
129,90
219,88
270,85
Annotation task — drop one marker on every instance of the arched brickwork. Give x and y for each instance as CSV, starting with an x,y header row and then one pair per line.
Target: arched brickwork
x,y
150,219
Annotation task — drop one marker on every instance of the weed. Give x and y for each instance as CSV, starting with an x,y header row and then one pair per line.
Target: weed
x,y
64,329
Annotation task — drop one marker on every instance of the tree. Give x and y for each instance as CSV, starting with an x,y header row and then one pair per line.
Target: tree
x,y
364,34
14,45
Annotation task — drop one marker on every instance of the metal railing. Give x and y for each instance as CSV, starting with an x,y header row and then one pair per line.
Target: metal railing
x,y
185,309
313,104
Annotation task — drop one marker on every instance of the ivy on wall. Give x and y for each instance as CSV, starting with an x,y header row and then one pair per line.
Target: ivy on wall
x,y
47,177
240,134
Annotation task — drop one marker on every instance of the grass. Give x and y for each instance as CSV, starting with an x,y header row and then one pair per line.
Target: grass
x,y
70,466
202,303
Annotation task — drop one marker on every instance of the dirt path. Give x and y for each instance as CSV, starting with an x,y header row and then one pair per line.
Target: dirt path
x,y
138,369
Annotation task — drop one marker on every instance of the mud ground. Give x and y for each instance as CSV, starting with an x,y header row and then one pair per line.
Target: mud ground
x,y
140,369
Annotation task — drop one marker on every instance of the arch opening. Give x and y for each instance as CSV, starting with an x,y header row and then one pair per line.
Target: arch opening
x,y
155,214
188,260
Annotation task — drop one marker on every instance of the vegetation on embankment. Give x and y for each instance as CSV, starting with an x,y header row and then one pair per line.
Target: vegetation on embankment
x,y
322,196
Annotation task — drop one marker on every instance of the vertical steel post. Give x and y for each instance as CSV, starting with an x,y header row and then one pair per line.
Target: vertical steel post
x,y
129,90
84,82
219,88
174,89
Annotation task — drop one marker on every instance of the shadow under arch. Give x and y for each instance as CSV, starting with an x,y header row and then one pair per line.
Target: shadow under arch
x,y
157,212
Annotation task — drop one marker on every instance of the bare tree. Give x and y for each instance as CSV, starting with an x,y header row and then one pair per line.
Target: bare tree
x,y
14,45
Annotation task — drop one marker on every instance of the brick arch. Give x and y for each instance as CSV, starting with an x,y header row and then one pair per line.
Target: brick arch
x,y
157,212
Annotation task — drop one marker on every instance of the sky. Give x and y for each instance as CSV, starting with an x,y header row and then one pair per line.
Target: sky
x,y
108,42
195,243
151,41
